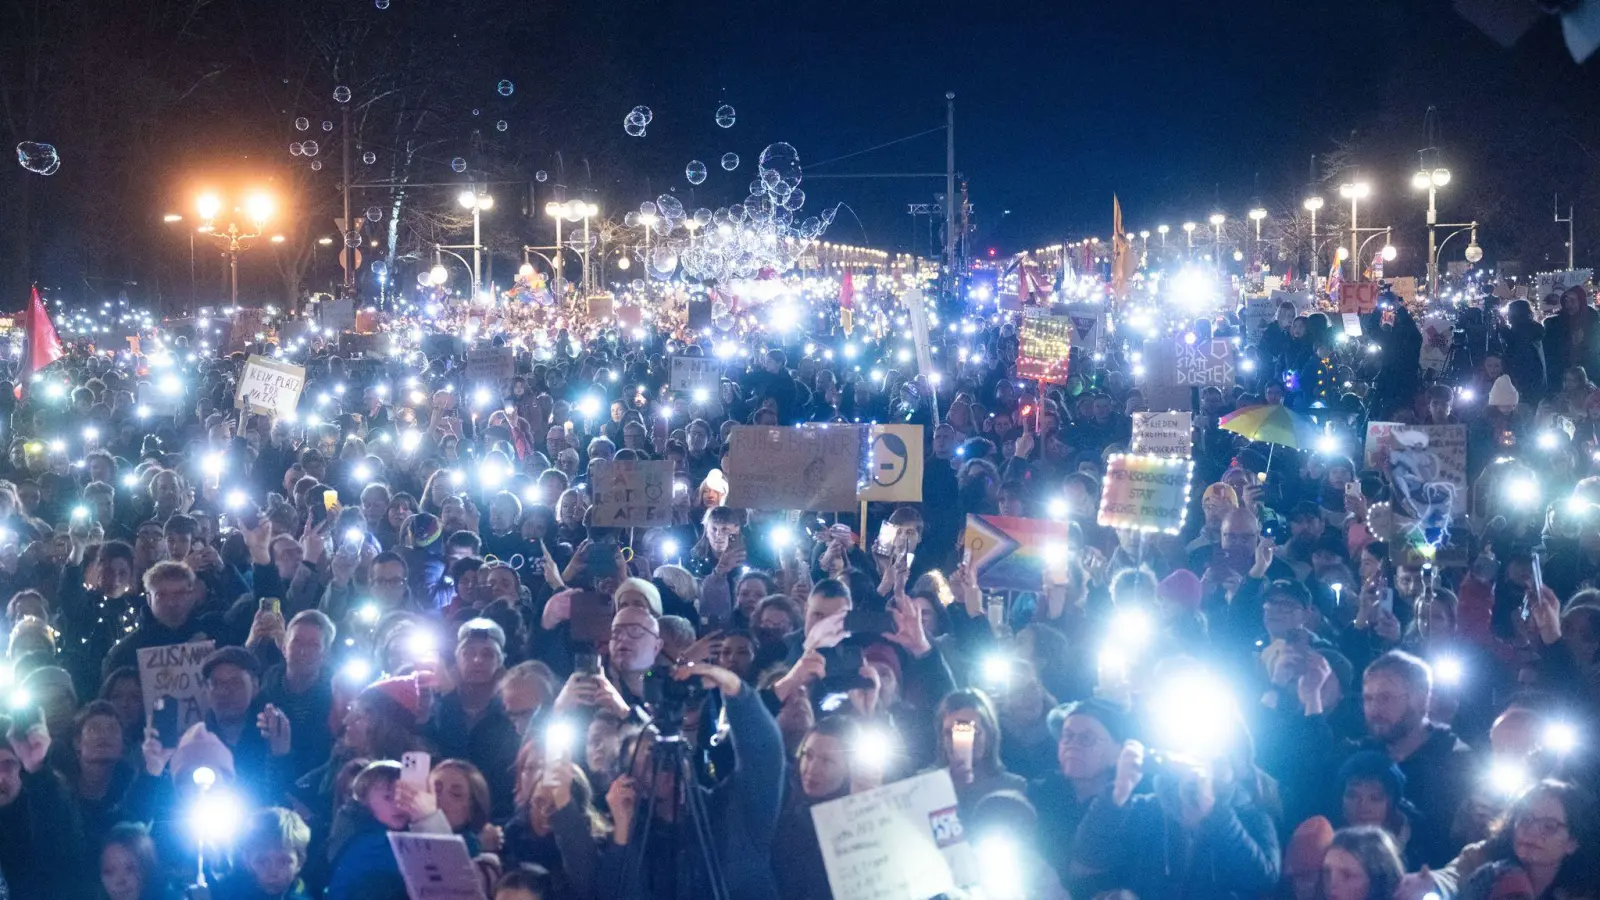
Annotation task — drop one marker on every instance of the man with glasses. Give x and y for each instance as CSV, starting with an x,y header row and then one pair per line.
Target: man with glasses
x,y
258,733
1090,737
386,588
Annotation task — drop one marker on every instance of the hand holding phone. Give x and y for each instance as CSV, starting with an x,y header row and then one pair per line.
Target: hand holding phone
x,y
414,769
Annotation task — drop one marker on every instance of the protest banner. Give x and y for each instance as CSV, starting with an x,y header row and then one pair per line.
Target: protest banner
x,y
1304,302
1204,363
435,866
1547,283
1088,329
631,493
491,365
1358,297
336,314
917,311
169,678
691,373
1404,287
894,473
246,323
1010,553
894,842
602,306
269,386
1437,331
1043,344
1258,313
1423,462
813,467
1352,324
1163,433
1145,493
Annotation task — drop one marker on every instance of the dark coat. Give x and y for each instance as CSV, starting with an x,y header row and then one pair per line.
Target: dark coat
x,y
42,850
1234,853
490,744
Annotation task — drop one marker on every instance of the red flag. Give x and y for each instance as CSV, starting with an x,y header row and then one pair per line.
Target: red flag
x,y
44,347
847,292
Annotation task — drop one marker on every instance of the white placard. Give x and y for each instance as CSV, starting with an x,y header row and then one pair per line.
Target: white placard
x,y
169,678
812,467
1163,433
902,840
690,373
491,365
270,386
631,493
436,866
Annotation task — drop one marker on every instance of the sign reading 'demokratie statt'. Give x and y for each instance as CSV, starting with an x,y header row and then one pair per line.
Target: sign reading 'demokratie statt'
x,y
1145,493
269,386
809,467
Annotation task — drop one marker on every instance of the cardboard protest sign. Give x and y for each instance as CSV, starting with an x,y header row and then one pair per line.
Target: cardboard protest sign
x,y
1436,334
1163,433
336,314
917,311
894,472
1547,283
491,365
247,322
1204,363
1303,301
691,373
601,306
1404,287
1043,343
269,386
1088,329
1359,297
1352,324
1258,313
817,467
1145,493
435,866
1427,464
631,493
897,841
1010,554
169,678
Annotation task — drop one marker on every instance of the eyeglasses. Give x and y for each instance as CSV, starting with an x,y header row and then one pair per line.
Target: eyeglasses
x,y
631,632
1543,826
388,582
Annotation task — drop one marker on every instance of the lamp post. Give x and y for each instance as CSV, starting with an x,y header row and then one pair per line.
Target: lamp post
x,y
1217,219
1162,230
1188,229
476,201
257,208
1389,252
648,222
1256,215
1312,204
555,211
1473,253
1355,192
1431,180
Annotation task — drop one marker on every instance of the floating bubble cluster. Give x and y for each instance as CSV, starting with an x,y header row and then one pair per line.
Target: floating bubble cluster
x,y
458,164
40,159
725,116
741,240
695,171
310,148
341,94
505,87
302,123
637,120
730,161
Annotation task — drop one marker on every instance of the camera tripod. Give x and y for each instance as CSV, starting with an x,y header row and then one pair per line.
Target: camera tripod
x,y
670,753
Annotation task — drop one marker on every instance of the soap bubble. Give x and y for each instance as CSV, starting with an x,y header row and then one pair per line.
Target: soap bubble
x,y
648,209
352,238
381,4
477,112
644,114
795,200
670,207
783,160
702,217
501,125
695,171
663,261
541,176
578,242
631,219
341,94
310,148
505,88
730,161
302,123
316,165
725,116
374,213
40,159
296,148
369,157
458,164
379,267
326,125
633,125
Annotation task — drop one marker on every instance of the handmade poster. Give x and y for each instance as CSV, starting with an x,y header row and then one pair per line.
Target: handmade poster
x,y
1404,287
1010,553
902,840
1043,344
1358,297
1352,324
917,311
1257,314
1145,493
1164,433
491,365
690,373
631,493
813,467
436,866
1427,464
169,678
246,323
1547,283
269,386
1436,334
1204,363
601,306
336,314
894,469
1304,302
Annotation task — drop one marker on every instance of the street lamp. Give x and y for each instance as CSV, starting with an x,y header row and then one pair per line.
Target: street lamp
x,y
1217,219
1188,229
557,211
1256,215
1162,230
1431,180
478,202
1355,192
257,209
1312,204
648,222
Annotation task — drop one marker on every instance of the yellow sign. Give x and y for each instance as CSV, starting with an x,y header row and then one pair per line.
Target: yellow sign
x,y
895,472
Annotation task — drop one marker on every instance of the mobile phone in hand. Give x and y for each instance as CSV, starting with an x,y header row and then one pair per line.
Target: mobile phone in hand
x,y
414,769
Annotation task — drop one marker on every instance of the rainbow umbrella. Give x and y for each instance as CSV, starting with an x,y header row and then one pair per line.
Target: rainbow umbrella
x,y
1273,425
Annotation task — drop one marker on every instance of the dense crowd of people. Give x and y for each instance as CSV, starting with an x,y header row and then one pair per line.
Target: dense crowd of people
x,y
1294,697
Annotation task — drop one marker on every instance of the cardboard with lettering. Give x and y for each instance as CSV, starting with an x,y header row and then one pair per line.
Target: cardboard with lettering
x,y
1404,287
811,467
1423,462
436,866
1257,314
902,840
1043,345
1088,328
1010,553
691,373
1204,363
246,323
1358,297
169,678
895,467
269,386
1164,433
631,493
491,365
1145,493
1437,331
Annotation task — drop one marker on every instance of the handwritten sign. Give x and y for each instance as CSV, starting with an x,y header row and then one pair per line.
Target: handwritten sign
x,y
435,866
1404,287
1358,297
1010,553
270,386
491,365
1257,314
1427,464
247,322
631,493
1163,433
1437,332
897,841
1352,324
691,373
894,471
817,467
1204,363
1145,493
917,310
1043,344
1088,329
169,678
